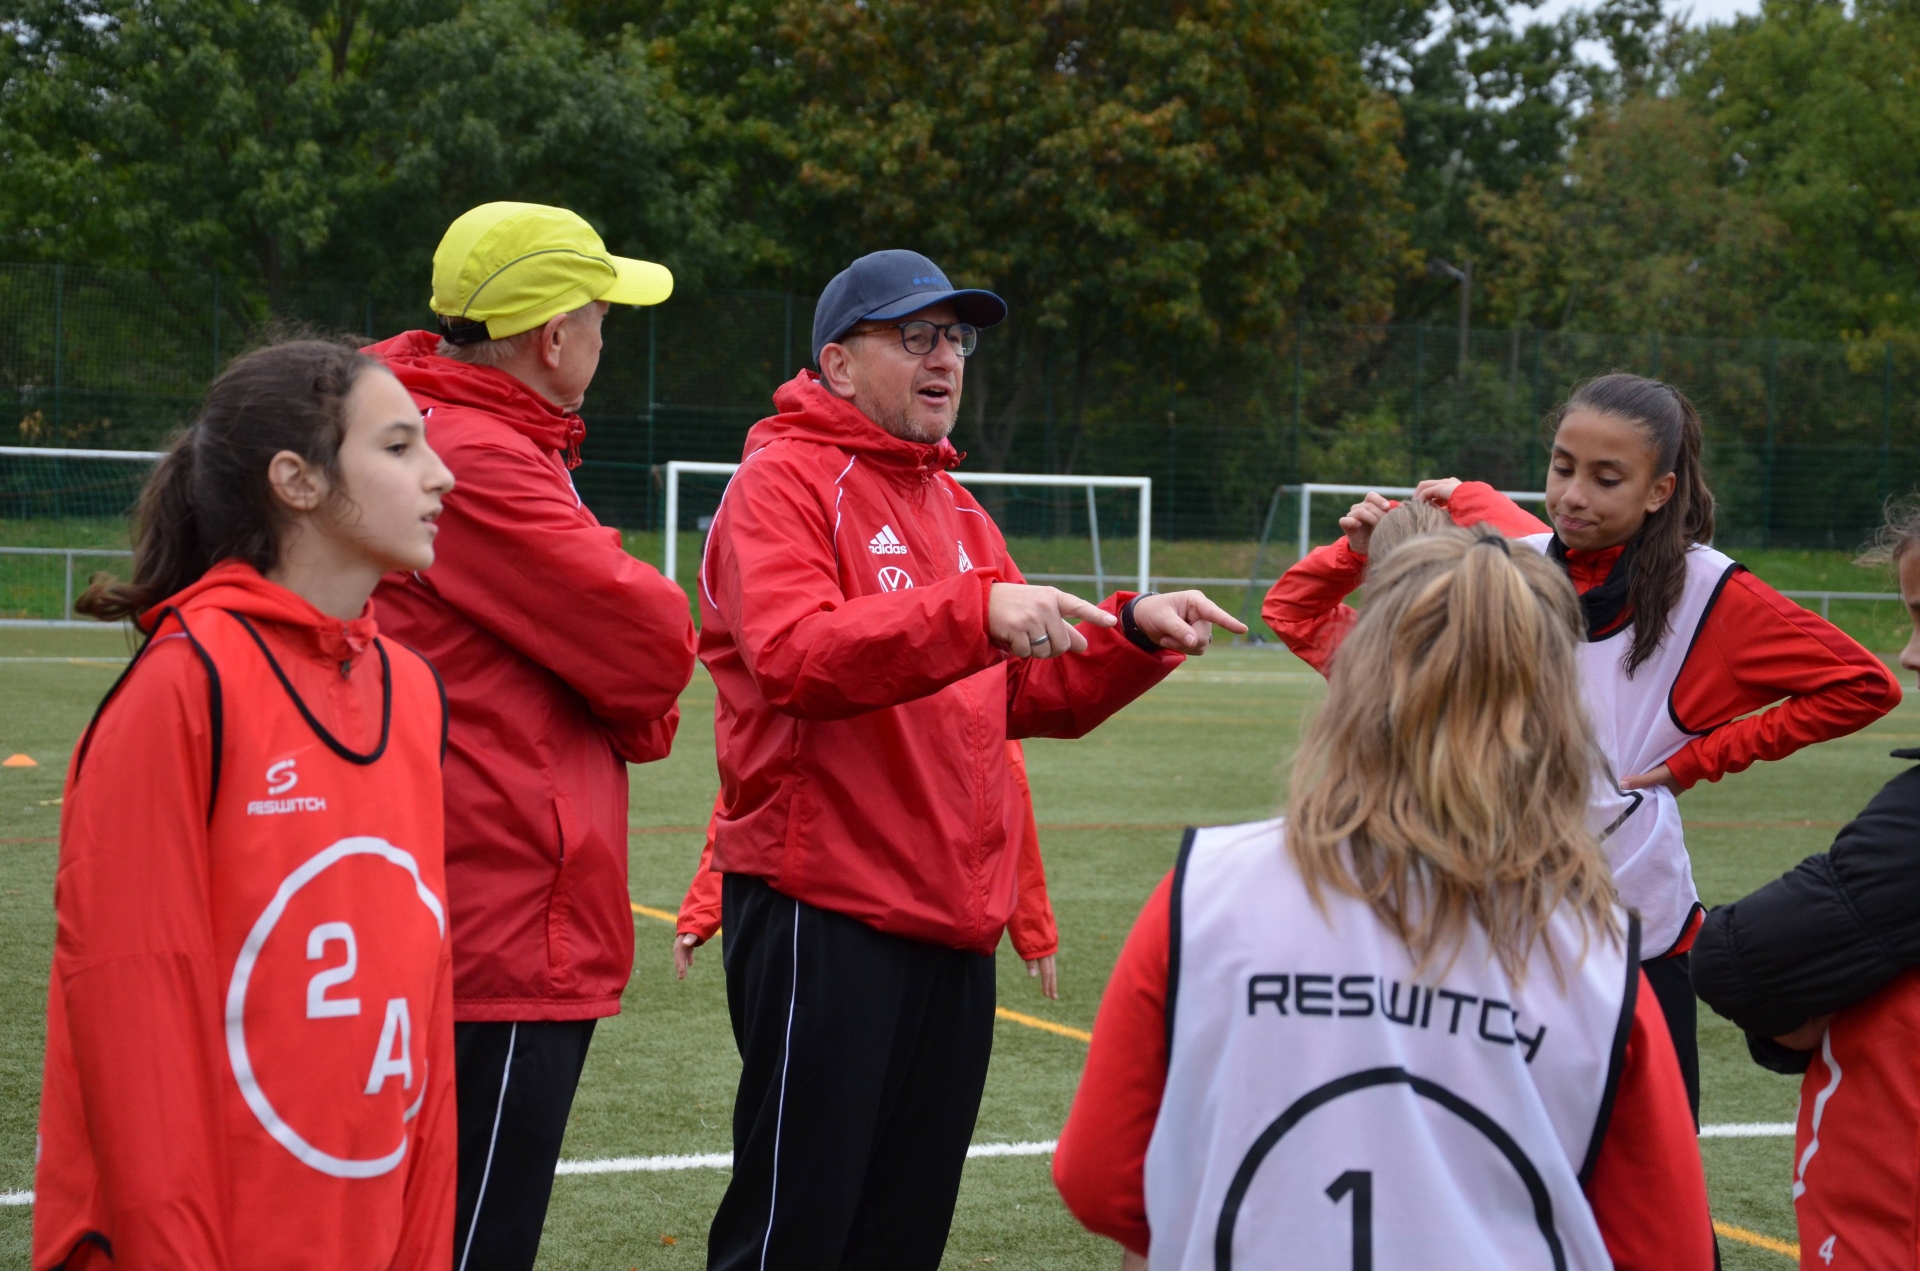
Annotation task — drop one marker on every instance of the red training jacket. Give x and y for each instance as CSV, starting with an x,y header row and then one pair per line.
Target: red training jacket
x,y
1647,1189
1755,648
862,708
1031,928
250,1023
563,657
1306,606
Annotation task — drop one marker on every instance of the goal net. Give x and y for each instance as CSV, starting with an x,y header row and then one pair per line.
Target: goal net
x,y
1321,523
1088,534
63,515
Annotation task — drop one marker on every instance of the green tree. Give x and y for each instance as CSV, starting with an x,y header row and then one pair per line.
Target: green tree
x,y
1755,178
1150,185
1817,104
1638,232
292,139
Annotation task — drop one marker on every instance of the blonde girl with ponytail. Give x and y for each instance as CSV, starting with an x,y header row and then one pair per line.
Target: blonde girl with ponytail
x,y
1406,1024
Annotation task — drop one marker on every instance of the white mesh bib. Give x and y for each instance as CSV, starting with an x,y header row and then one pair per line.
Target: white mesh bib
x,y
1326,1107
1634,723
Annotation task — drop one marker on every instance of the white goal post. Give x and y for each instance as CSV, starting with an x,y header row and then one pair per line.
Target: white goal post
x,y
1311,488
1144,485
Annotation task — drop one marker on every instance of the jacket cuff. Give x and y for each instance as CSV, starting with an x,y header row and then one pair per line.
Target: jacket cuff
x,y
1686,767
1130,629
1774,1057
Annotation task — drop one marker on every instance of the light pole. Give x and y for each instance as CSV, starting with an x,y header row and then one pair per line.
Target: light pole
x,y
1463,276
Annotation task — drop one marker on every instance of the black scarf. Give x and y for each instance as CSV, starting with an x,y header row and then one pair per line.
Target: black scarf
x,y
1602,604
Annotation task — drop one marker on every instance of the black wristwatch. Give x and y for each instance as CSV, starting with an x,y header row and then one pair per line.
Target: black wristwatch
x,y
1131,629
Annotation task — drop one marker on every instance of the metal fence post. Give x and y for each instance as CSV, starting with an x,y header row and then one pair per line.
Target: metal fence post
x,y
1299,391
66,609
1419,367
1259,559
1093,527
1539,354
1766,477
1173,425
1886,423
59,339
786,348
653,325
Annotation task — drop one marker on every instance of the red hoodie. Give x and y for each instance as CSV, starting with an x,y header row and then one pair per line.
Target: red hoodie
x,y
1755,648
862,709
1031,928
1305,606
563,657
250,1024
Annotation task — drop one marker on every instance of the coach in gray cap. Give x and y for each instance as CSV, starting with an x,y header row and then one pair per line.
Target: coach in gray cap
x,y
873,647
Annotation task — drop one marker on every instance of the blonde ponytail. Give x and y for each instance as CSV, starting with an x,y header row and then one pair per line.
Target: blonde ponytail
x,y
1445,781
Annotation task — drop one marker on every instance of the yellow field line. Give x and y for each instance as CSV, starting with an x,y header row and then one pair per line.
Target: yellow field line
x,y
1044,1025
1755,1239
1012,1017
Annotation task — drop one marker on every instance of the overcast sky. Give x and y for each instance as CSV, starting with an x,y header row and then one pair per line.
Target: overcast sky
x,y
1703,11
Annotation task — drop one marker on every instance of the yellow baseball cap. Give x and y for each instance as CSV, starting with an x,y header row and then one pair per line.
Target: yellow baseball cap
x,y
508,267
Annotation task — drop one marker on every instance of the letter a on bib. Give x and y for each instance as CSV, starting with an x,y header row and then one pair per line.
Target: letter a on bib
x,y
393,1057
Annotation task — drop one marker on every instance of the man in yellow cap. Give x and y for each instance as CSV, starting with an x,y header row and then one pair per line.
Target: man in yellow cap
x,y
562,657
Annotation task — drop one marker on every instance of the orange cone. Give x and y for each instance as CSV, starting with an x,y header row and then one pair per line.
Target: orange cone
x,y
19,761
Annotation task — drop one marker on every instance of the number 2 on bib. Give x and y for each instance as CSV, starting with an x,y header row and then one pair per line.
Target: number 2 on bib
x,y
1358,1183
319,1005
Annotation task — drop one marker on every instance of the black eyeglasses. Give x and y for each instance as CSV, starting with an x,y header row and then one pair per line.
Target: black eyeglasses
x,y
918,337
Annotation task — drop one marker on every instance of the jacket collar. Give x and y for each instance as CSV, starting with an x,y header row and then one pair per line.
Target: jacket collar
x,y
809,412
436,380
240,588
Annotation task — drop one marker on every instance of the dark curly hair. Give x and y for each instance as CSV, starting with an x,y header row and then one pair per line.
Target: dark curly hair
x,y
209,499
1657,567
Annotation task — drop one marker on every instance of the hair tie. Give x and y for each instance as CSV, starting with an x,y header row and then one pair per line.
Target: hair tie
x,y
1493,540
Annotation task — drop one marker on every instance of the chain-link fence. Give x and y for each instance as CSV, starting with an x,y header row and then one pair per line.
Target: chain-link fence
x,y
1805,440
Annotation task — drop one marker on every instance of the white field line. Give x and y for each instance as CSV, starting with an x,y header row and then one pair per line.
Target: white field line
x,y
724,1160
70,661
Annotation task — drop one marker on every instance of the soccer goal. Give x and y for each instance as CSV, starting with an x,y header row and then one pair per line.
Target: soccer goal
x,y
1352,492
1018,481
59,508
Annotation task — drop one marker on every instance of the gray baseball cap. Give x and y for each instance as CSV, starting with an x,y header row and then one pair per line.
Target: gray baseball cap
x,y
893,284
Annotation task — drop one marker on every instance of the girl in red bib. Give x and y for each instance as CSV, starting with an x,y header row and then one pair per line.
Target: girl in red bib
x,y
249,1031
1407,1025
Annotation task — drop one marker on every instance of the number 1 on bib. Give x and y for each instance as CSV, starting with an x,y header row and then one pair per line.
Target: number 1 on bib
x,y
1359,1182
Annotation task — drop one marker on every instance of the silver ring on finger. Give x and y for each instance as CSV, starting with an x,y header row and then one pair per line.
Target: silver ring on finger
x,y
1039,640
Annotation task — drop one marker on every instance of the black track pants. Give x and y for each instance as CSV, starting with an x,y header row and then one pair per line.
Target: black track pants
x,y
515,1088
1673,988
864,1059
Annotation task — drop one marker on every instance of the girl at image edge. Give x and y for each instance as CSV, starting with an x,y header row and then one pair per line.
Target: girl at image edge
x,y
1131,1176
1633,518
249,1028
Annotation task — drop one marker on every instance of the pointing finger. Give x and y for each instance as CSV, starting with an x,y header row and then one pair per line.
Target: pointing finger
x,y
1074,608
1201,609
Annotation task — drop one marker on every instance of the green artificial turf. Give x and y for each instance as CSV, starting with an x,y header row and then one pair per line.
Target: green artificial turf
x,y
1209,745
